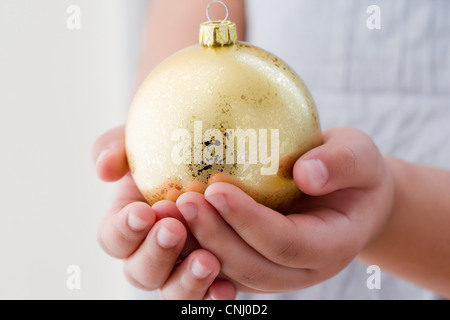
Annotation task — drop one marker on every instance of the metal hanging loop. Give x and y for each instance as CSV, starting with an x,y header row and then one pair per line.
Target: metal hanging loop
x,y
216,1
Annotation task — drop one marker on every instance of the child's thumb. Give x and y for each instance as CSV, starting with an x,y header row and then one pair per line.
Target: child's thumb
x,y
348,158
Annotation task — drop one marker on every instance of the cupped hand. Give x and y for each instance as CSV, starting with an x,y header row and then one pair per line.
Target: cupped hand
x,y
348,198
151,239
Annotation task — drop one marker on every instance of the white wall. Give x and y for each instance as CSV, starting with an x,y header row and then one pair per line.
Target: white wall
x,y
59,89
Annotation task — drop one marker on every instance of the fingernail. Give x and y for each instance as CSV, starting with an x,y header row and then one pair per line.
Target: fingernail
x,y
166,238
217,200
135,223
102,156
210,297
199,271
317,172
189,211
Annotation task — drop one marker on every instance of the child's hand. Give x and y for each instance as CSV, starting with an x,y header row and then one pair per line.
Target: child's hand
x,y
264,251
150,239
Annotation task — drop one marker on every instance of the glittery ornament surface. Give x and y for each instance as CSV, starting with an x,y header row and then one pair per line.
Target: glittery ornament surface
x,y
186,108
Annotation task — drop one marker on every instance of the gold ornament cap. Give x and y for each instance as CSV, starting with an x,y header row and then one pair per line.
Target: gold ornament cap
x,y
217,33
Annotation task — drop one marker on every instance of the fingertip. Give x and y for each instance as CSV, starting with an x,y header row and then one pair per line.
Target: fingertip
x,y
111,165
170,233
188,204
165,209
348,158
222,188
191,278
109,155
310,175
208,259
220,193
140,216
204,265
221,289
153,261
224,196
188,197
121,232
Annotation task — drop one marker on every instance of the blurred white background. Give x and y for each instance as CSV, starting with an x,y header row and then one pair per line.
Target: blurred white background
x,y
60,89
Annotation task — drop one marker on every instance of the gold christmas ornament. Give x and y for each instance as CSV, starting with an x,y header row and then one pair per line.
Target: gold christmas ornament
x,y
221,110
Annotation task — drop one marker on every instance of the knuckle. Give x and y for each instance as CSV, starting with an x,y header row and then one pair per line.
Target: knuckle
x,y
348,159
253,278
243,224
143,283
358,159
104,241
113,250
115,240
288,253
101,241
259,278
189,286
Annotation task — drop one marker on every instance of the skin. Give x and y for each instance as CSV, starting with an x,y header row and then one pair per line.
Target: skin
x,y
130,229
359,204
